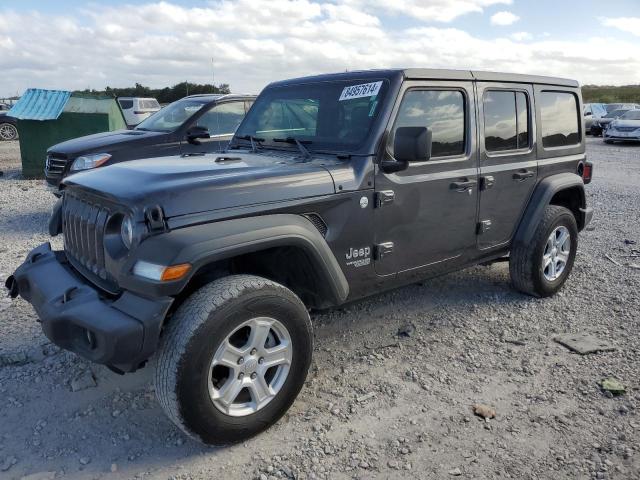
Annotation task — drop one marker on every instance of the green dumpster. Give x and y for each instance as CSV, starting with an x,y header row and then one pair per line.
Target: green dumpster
x,y
48,117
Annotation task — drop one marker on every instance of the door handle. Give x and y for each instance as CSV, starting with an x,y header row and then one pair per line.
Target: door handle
x,y
463,186
523,175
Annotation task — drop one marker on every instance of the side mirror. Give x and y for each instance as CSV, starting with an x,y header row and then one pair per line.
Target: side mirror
x,y
412,144
587,114
197,132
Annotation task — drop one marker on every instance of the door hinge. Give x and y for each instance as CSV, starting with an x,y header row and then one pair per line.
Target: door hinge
x,y
487,182
384,197
484,226
383,249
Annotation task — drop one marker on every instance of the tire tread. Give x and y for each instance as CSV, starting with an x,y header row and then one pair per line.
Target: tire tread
x,y
192,314
521,259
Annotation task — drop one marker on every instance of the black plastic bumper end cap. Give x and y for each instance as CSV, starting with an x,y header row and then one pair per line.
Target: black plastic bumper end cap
x,y
12,286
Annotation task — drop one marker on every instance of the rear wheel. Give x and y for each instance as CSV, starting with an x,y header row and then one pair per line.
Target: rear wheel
x,y
8,131
541,267
233,359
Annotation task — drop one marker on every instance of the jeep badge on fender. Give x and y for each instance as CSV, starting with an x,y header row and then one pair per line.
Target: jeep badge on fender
x,y
212,262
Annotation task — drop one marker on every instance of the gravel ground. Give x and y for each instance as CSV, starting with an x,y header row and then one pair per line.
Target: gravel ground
x,y
377,404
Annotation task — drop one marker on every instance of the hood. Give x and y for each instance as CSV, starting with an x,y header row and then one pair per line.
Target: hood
x,y
626,123
108,141
187,185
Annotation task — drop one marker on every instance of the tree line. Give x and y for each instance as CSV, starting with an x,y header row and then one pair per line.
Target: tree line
x,y
610,94
163,95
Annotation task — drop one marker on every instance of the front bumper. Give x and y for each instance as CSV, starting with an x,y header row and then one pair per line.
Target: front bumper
x,y
120,332
621,136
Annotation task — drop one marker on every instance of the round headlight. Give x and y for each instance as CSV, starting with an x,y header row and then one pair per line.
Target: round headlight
x,y
126,231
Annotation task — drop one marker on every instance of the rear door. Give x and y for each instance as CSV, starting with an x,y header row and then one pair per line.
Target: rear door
x,y
426,214
508,166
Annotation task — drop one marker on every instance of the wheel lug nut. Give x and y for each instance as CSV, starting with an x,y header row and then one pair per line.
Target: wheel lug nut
x,y
253,352
261,360
254,375
240,376
240,361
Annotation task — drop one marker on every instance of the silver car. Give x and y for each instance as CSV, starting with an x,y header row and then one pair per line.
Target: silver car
x,y
626,128
593,112
600,125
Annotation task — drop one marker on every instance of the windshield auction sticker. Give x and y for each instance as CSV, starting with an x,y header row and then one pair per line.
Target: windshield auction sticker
x,y
360,91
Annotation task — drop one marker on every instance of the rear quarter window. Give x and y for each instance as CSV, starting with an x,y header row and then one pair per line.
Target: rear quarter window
x,y
126,104
150,104
559,119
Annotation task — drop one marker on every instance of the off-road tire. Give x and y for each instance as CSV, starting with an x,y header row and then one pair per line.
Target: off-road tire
x,y
194,333
525,261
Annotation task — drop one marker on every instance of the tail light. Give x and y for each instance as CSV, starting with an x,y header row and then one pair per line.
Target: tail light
x,y
587,172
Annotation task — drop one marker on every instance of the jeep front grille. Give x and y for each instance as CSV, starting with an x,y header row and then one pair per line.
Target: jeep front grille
x,y
83,226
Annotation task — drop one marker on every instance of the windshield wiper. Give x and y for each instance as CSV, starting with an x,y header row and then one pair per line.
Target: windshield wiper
x,y
255,141
305,153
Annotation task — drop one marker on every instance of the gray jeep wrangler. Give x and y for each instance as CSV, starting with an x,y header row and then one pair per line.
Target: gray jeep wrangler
x,y
334,188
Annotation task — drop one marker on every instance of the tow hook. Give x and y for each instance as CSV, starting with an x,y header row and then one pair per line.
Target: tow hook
x,y
12,286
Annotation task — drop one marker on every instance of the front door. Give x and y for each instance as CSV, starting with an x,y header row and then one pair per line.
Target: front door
x,y
221,121
425,216
508,166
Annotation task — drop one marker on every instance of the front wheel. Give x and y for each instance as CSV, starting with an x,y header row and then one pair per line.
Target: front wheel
x,y
233,359
541,267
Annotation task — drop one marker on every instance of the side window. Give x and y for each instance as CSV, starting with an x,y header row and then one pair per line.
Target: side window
x,y
522,110
125,104
506,121
223,119
559,119
442,111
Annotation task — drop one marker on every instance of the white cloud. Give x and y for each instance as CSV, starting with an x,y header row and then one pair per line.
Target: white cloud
x,y
160,44
521,36
429,10
504,18
626,24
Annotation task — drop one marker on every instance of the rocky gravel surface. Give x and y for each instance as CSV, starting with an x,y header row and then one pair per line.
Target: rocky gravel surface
x,y
394,381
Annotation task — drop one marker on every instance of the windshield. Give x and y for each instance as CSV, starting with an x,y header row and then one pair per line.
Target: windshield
x,y
598,109
613,106
631,115
615,113
325,115
172,116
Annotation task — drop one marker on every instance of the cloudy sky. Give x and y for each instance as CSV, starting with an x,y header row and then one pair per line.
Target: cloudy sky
x,y
70,44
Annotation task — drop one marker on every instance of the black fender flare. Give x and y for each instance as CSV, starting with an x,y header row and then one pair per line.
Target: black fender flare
x,y
541,197
204,244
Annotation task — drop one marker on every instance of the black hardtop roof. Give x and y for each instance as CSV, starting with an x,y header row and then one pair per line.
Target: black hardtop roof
x,y
434,74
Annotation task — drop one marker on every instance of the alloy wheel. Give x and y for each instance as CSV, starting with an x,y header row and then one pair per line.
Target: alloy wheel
x,y
556,253
8,132
250,367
